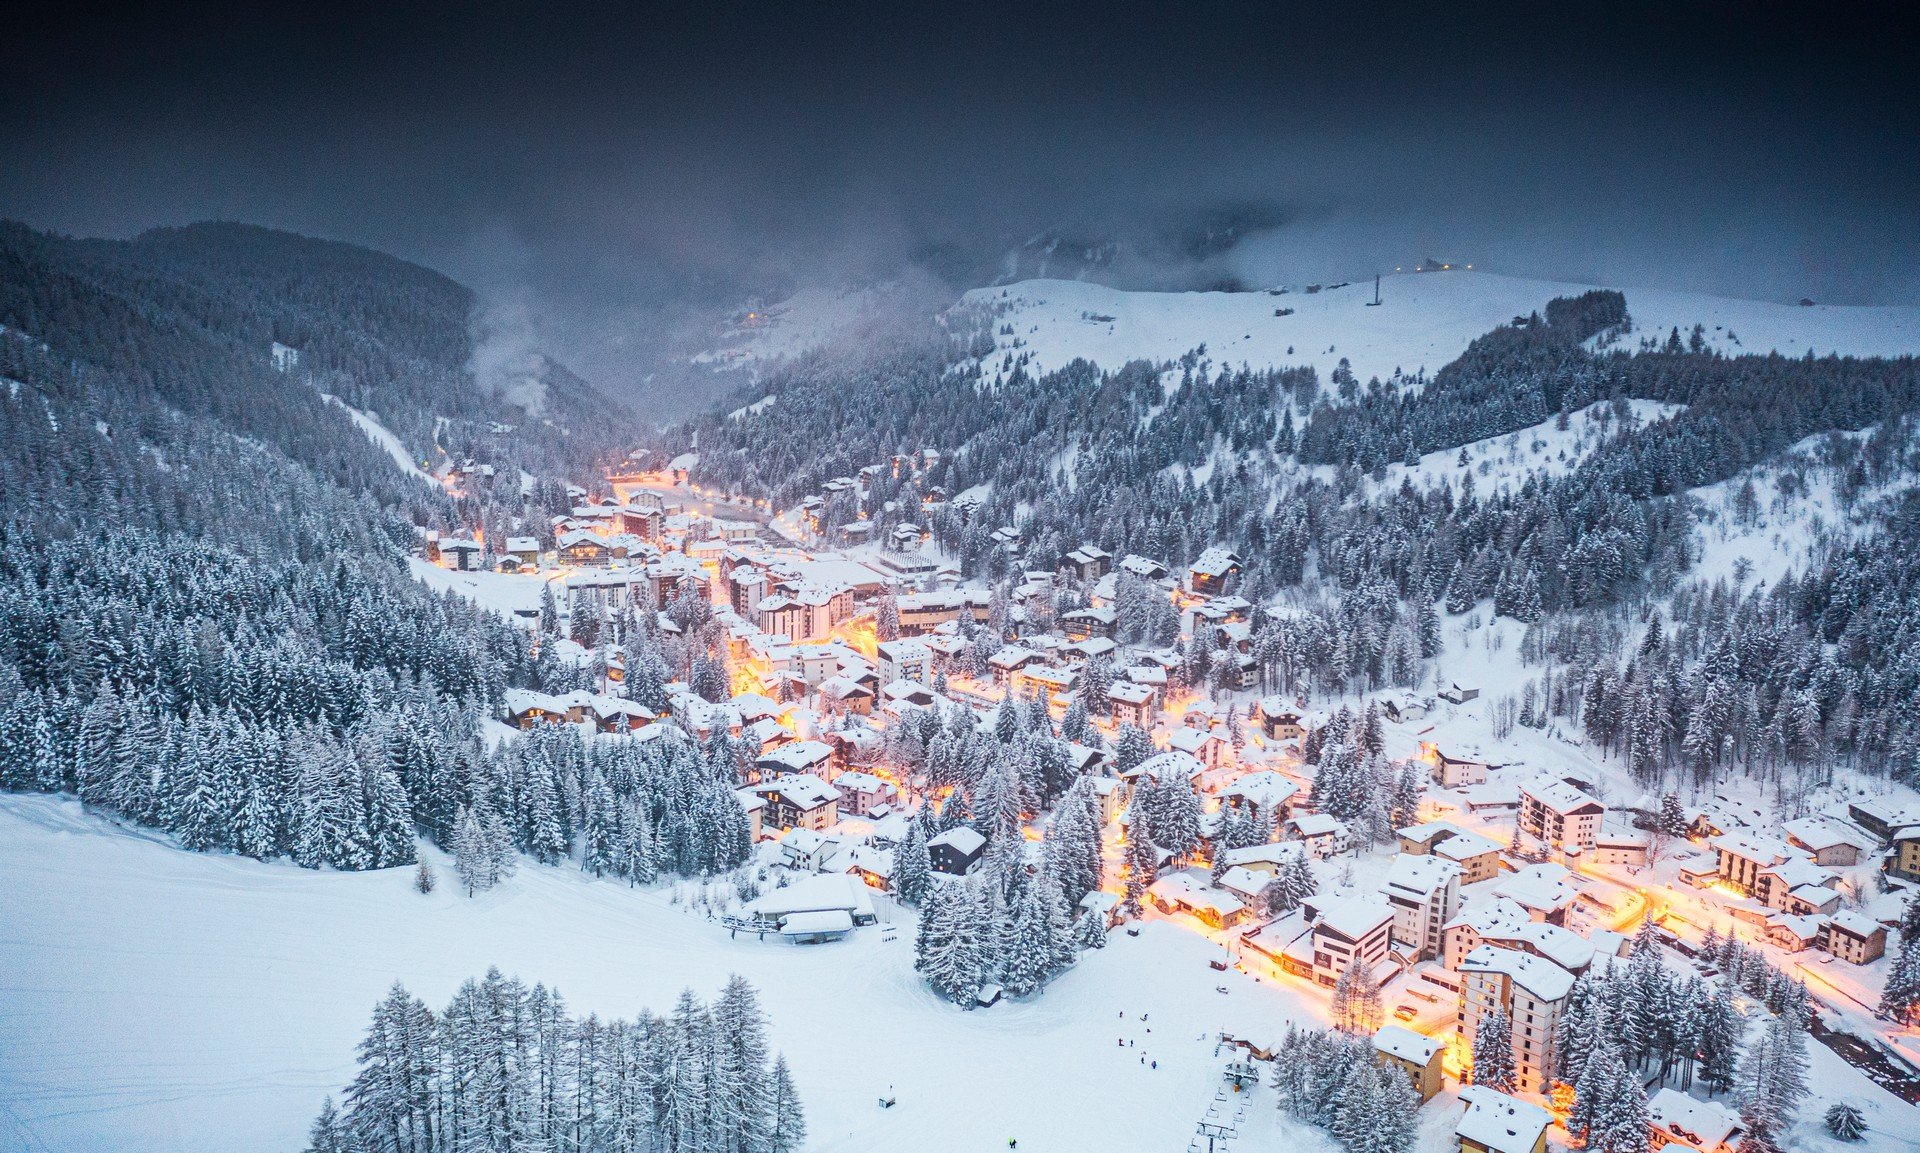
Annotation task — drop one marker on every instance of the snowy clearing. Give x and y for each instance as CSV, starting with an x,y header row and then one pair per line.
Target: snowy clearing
x,y
158,999
1425,320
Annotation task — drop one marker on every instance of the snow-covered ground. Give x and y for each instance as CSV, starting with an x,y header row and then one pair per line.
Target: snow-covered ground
x,y
155,999
1425,320
382,438
1502,462
504,593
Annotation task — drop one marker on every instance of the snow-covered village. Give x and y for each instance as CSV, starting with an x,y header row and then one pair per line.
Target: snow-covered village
x,y
814,582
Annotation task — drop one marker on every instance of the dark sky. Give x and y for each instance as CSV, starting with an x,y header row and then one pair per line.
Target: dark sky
x,y
591,173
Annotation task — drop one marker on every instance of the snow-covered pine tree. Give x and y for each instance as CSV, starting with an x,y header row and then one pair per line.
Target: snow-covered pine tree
x,y
1493,1051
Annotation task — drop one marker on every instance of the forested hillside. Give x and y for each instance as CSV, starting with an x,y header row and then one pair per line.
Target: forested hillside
x,y
206,622
1166,460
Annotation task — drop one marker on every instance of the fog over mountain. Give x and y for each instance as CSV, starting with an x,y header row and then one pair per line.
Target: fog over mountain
x,y
613,182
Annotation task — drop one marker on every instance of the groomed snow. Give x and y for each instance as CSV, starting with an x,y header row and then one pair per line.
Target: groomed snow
x,y
152,998
1426,320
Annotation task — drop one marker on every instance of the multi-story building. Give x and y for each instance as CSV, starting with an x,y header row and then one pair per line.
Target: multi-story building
x,y
1347,931
1532,990
1425,894
1560,815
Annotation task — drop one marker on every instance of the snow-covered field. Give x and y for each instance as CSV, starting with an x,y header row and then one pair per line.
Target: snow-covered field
x,y
1425,320
154,999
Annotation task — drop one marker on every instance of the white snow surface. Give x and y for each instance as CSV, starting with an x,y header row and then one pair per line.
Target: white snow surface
x,y
1426,319
156,999
382,438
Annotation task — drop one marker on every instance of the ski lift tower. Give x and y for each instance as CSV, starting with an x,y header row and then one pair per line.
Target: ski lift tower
x,y
1375,302
1217,1134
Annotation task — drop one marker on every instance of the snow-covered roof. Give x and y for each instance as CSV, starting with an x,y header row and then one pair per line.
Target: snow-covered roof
x,y
1310,825
1191,888
1536,975
1817,833
797,757
1418,877
1127,692
1499,1123
1354,917
802,790
1215,561
964,839
1543,886
1764,850
1692,1122
1560,796
1856,923
813,894
1265,789
1268,854
1168,766
1402,1042
1563,947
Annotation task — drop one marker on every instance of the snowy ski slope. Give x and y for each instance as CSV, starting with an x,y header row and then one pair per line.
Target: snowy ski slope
x,y
1425,320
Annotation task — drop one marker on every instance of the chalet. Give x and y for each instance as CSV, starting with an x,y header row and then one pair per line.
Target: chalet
x,y
1206,747
1052,684
873,866
1189,891
843,695
863,794
1008,661
1267,794
808,850
1560,815
1131,704
1744,858
794,759
956,851
1689,1125
1854,937
1425,894
1086,563
1828,842
1279,721
800,801
1496,1123
1213,571
1081,624
525,550
854,746
526,708
1885,817
461,553
584,547
1403,706
1324,836
1143,567
1263,859
1347,931
1398,1047
1456,693
1101,904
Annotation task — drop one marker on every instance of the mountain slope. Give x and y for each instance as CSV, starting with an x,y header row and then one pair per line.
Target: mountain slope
x,y
1425,321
